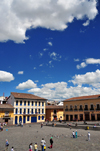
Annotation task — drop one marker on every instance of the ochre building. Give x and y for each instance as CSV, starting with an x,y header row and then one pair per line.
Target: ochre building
x,y
82,108
28,108
54,112
6,114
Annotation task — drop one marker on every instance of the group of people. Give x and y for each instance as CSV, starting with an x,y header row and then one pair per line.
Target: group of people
x,y
75,135
2,125
43,145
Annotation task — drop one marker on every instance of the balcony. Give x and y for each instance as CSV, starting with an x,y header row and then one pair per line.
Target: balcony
x,y
70,109
66,109
97,109
80,109
85,109
75,109
91,109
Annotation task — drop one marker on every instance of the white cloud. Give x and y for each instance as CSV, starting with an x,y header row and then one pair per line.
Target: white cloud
x,y
88,61
45,49
92,61
50,14
20,72
91,78
26,85
55,56
34,68
41,65
6,76
59,91
86,23
36,80
50,43
76,60
82,65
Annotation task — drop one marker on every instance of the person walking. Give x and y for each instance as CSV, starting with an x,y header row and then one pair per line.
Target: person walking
x,y
51,142
73,133
12,149
30,147
35,147
88,136
76,134
7,144
42,144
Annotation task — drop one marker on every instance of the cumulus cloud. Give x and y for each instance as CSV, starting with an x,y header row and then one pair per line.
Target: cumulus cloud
x,y
26,85
55,56
50,43
51,14
6,76
91,78
76,60
92,61
20,72
82,65
88,61
86,23
60,91
34,68
41,65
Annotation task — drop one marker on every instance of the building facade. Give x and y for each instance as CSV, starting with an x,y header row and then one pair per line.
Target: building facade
x,y
82,108
28,108
6,114
54,112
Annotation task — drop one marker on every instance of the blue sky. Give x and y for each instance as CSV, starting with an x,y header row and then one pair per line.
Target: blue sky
x,y
50,48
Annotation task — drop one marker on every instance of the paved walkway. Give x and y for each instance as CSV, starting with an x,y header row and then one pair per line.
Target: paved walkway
x,y
21,137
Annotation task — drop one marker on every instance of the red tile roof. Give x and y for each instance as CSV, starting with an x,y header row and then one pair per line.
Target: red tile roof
x,y
83,98
26,96
54,107
6,106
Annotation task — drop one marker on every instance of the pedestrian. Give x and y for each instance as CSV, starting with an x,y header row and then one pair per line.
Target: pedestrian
x,y
73,133
6,145
44,147
12,149
30,147
76,134
88,136
35,147
51,142
42,144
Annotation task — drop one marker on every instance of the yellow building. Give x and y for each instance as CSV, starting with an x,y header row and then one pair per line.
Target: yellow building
x,y
28,108
82,108
54,112
6,113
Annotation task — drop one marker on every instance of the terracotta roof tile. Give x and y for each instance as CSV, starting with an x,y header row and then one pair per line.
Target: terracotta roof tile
x,y
54,107
26,96
4,106
83,98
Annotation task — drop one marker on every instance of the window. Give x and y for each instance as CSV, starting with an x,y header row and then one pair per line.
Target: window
x,y
35,103
32,111
98,107
86,107
20,103
55,111
16,111
42,117
80,107
28,118
20,111
32,103
42,110
24,111
28,111
39,111
35,111
75,108
39,103
24,103
71,108
92,108
42,103
38,117
28,103
17,102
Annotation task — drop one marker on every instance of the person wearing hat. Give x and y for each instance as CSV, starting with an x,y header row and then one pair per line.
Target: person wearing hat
x,y
51,142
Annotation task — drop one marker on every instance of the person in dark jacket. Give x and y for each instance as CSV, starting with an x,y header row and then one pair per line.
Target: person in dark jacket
x,y
51,142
